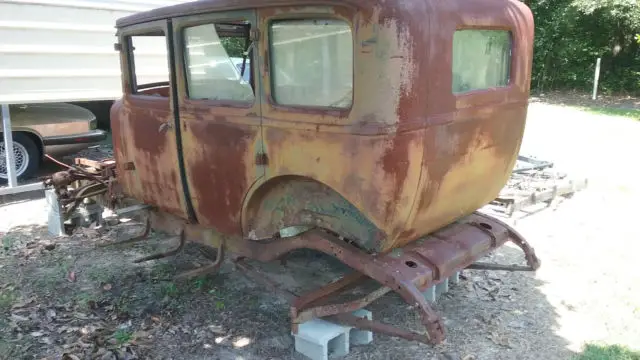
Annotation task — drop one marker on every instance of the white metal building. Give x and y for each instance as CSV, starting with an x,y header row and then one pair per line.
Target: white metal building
x,y
62,51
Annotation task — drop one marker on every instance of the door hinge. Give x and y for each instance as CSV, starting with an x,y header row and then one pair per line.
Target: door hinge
x,y
254,34
262,159
117,47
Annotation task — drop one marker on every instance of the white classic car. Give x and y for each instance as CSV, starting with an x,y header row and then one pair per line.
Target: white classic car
x,y
56,129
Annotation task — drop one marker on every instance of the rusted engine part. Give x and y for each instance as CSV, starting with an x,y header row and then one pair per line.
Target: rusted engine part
x,y
80,188
409,271
533,182
86,189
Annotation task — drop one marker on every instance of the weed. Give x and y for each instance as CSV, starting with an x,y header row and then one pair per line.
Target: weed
x,y
170,290
98,275
200,283
607,352
123,305
122,336
7,298
85,299
8,242
219,305
163,270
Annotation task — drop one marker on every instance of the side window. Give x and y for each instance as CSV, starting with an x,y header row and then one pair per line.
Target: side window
x,y
218,62
312,63
481,59
149,64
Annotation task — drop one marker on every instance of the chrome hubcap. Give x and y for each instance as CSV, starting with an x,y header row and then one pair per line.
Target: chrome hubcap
x,y
21,157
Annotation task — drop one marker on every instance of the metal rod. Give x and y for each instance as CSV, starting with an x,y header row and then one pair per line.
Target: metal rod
x,y
487,266
376,326
166,254
206,270
8,146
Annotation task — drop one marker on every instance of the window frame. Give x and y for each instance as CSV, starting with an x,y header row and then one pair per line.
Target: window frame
x,y
313,109
182,23
512,43
129,71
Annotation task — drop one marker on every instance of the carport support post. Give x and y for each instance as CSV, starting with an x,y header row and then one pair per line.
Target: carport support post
x,y
596,77
8,146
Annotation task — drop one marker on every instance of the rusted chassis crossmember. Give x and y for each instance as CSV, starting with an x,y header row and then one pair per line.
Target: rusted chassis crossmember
x,y
408,271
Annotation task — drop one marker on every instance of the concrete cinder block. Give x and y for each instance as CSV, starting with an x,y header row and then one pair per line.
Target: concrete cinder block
x,y
455,278
430,294
358,336
442,288
55,223
318,339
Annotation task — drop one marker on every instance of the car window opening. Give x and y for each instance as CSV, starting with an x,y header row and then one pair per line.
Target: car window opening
x,y
218,62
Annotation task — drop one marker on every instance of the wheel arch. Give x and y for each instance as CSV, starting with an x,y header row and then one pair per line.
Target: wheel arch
x,y
293,200
37,139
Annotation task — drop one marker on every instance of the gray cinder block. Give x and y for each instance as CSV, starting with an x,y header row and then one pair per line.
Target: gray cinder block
x,y
318,339
55,223
358,336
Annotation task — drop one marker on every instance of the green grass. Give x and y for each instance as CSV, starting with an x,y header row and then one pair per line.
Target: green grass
x,y
122,336
8,242
629,113
7,298
608,352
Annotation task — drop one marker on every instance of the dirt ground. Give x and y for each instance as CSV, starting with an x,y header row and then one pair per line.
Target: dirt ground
x,y
70,298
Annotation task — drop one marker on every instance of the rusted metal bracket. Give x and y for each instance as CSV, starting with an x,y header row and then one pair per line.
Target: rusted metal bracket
x,y
533,263
141,237
165,254
205,270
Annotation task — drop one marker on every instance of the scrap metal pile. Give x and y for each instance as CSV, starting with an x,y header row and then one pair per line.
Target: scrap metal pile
x,y
533,182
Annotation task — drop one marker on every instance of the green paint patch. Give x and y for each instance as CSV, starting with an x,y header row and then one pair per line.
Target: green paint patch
x,y
607,352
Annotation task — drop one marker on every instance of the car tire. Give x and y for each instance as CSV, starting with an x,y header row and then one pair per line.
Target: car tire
x,y
28,147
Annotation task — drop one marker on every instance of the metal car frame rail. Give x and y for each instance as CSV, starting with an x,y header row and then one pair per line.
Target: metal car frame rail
x,y
409,270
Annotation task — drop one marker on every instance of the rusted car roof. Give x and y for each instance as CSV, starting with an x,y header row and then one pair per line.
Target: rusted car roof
x,y
202,6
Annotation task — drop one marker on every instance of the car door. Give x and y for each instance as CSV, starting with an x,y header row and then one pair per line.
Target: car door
x,y
143,121
219,113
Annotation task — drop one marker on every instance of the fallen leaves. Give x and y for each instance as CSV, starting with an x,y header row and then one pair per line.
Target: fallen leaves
x,y
23,303
500,339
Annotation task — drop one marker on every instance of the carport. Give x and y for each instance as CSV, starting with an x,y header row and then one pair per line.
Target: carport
x,y
58,51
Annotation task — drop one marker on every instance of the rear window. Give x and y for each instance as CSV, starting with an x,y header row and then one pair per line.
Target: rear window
x,y
312,63
481,59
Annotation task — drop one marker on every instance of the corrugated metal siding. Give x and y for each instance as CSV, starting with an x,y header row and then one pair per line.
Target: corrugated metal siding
x,y
62,50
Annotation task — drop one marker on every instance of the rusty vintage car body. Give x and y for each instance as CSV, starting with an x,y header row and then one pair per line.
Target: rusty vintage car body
x,y
369,130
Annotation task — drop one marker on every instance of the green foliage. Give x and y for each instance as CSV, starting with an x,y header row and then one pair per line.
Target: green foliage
x,y
611,352
572,34
122,336
612,111
235,46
